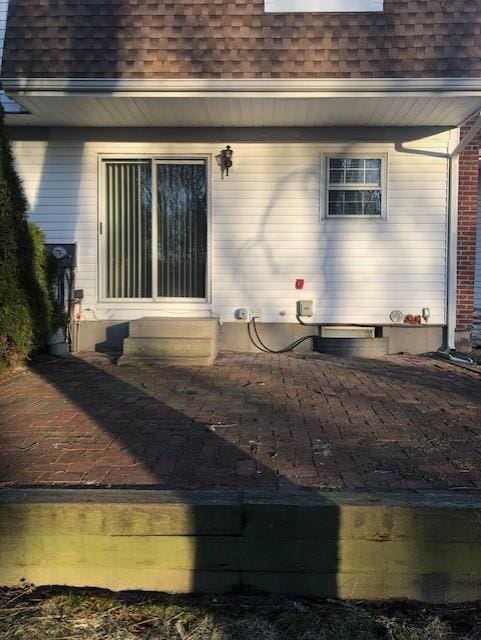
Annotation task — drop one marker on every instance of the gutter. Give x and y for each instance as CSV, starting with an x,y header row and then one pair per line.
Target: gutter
x,y
255,87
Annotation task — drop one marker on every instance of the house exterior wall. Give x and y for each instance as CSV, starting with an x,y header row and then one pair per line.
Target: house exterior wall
x,y
267,229
467,222
477,281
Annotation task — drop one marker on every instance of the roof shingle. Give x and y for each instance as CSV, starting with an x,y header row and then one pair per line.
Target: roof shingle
x,y
236,39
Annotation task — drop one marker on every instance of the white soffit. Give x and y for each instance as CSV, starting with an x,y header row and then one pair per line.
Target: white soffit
x,y
245,103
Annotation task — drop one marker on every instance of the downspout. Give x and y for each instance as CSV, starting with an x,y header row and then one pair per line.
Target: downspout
x,y
452,249
452,252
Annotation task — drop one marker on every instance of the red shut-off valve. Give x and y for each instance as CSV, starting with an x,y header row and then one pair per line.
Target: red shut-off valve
x,y
300,283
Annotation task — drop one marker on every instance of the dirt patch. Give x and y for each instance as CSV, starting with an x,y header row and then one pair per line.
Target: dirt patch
x,y
64,614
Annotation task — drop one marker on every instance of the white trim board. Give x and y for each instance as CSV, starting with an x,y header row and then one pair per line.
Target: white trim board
x,y
322,6
259,87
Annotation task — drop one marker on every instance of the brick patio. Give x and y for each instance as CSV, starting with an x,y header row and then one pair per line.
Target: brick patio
x,y
276,422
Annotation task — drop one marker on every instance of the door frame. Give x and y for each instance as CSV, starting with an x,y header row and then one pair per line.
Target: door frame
x,y
101,218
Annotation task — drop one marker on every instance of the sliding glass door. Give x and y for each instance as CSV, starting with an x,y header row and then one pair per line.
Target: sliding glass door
x,y
154,231
182,229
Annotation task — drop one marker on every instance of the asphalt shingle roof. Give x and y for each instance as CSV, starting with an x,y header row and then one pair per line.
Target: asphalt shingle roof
x,y
236,39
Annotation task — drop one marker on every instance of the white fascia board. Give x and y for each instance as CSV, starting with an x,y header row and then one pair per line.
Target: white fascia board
x,y
322,6
253,88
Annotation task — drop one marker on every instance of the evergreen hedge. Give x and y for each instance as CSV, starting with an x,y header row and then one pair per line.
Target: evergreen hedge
x,y
26,300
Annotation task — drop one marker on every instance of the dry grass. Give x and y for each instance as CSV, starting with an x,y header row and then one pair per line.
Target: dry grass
x,y
65,614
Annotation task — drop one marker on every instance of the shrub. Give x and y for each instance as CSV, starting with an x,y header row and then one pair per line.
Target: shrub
x,y
26,300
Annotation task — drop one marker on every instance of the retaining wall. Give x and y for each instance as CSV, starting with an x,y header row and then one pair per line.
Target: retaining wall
x,y
362,546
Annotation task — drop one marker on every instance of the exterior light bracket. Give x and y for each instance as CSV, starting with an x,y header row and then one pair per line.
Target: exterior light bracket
x,y
224,160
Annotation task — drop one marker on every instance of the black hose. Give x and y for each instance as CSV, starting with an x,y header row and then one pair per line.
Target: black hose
x,y
264,348
306,324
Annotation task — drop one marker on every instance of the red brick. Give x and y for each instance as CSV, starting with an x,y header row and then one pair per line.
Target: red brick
x,y
467,220
394,423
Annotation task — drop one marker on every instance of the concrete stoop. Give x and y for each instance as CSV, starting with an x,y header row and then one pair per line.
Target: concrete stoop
x,y
171,341
424,546
352,347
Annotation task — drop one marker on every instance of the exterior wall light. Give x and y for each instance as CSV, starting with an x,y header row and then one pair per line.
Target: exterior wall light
x,y
224,160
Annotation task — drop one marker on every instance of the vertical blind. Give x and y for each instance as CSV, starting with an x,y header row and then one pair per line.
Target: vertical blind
x,y
161,254
182,230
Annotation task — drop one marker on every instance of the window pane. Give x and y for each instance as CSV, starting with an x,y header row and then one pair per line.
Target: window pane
x,y
372,203
354,171
373,176
336,163
128,230
355,176
355,203
182,225
337,176
336,203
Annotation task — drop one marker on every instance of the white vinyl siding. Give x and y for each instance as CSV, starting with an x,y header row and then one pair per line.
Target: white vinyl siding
x,y
266,230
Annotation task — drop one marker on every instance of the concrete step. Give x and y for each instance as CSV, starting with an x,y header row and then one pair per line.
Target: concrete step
x,y
171,341
173,328
168,347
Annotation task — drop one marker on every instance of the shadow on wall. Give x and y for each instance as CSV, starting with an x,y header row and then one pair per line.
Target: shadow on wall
x,y
353,273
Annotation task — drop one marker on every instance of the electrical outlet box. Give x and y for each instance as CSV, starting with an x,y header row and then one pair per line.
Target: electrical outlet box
x,y
65,254
305,308
243,314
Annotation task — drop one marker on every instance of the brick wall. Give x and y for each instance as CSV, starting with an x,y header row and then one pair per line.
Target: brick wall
x,y
467,218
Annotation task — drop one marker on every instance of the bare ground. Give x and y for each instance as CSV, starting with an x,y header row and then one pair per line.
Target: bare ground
x,y
65,614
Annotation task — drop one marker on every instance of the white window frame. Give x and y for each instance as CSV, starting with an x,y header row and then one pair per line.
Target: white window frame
x,y
325,186
323,6
101,236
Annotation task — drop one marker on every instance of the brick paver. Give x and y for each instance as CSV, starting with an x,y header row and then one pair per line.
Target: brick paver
x,y
267,421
